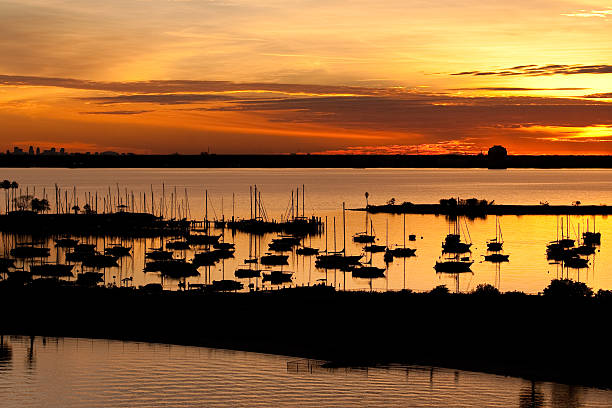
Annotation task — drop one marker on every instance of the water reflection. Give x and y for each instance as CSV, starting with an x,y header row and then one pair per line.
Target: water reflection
x,y
113,373
6,355
531,397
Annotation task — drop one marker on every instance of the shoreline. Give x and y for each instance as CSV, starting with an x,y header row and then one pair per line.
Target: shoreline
x,y
483,211
510,334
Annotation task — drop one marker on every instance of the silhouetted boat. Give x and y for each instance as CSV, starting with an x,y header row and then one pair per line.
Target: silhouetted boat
x,y
336,260
173,268
404,251
497,243
226,285
364,238
307,251
273,259
452,244
66,242
28,251
367,272
584,250
576,262
206,258
591,238
497,258
118,250
159,255
84,248
247,273
178,245
224,245
277,277
97,260
453,265
52,270
375,248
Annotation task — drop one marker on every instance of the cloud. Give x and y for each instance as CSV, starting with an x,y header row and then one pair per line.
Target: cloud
x,y
543,70
590,13
175,86
163,99
118,112
599,95
502,88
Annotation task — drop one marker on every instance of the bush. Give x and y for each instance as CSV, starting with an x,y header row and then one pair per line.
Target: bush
x,y
439,290
485,289
567,288
604,295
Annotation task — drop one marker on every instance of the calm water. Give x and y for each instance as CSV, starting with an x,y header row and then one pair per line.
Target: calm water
x,y
67,372
525,237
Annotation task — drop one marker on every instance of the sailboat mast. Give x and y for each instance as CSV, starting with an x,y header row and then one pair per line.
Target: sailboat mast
x,y
404,230
343,229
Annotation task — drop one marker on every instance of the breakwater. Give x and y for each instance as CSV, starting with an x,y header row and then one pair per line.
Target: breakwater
x,y
494,209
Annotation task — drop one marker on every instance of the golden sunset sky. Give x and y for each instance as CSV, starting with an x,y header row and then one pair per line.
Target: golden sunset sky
x,y
272,76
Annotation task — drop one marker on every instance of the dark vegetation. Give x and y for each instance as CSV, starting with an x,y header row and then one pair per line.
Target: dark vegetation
x,y
559,336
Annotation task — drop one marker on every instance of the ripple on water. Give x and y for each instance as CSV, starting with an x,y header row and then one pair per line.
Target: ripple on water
x,y
90,373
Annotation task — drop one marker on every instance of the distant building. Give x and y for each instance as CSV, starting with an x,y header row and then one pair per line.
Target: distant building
x,y
18,151
497,157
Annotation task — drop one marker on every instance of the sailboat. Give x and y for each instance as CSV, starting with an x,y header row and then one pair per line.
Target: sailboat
x,y
404,252
371,247
364,237
451,260
591,237
496,243
452,243
337,259
247,271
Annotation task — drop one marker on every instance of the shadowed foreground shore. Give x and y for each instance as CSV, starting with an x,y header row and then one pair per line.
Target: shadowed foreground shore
x,y
536,337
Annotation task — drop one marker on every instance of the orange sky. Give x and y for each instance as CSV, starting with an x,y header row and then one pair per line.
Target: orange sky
x,y
268,76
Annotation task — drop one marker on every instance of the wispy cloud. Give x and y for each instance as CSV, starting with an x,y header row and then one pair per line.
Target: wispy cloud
x,y
590,13
185,86
543,70
507,88
599,95
117,112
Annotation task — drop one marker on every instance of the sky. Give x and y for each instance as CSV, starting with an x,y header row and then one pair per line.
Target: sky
x,y
307,76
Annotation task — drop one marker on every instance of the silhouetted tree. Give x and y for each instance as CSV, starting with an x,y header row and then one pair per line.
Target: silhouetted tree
x,y
439,290
567,288
40,205
486,289
22,202
76,209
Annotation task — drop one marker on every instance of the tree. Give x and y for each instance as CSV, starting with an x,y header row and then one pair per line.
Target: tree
x,y
40,205
23,202
567,288
486,289
87,209
76,209
439,290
